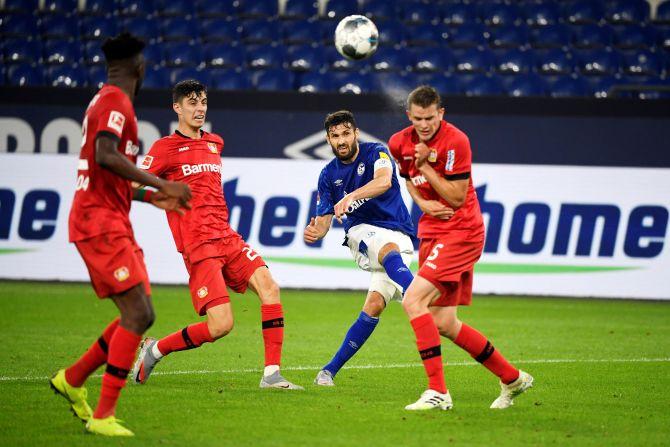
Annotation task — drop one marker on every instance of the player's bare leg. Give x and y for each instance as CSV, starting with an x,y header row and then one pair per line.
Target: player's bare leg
x,y
272,318
417,299
512,381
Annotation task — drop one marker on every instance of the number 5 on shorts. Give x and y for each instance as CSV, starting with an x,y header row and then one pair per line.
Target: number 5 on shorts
x,y
435,252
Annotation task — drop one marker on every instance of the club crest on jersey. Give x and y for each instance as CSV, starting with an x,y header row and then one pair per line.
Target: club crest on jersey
x,y
116,121
202,292
451,158
432,157
146,163
121,274
212,148
361,168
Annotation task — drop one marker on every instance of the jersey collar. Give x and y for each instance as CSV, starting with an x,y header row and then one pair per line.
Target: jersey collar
x,y
202,134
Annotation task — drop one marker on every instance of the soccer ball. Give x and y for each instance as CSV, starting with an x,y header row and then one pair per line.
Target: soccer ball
x,y
356,37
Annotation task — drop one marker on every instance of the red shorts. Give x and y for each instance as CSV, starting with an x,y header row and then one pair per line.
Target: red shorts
x,y
448,262
115,263
230,264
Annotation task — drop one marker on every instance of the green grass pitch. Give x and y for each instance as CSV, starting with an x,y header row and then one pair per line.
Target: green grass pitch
x,y
601,367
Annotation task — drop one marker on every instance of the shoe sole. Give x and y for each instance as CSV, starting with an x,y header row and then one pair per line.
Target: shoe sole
x,y
60,393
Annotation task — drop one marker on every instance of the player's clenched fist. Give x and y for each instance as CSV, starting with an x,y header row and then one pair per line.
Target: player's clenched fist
x,y
421,154
437,209
179,191
342,206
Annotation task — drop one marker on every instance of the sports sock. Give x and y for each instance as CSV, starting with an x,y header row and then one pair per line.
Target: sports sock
x,y
428,343
188,338
483,351
122,349
357,335
397,270
92,359
272,317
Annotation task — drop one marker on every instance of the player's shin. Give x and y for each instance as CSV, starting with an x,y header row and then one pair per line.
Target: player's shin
x,y
189,337
356,336
272,322
428,344
472,341
92,359
397,270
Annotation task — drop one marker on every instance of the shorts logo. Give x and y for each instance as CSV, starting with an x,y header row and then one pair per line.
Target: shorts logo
x,y
116,121
146,163
212,148
451,158
202,292
361,168
432,157
121,274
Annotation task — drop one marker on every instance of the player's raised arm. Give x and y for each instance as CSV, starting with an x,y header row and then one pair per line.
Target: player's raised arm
x,y
452,188
375,187
433,208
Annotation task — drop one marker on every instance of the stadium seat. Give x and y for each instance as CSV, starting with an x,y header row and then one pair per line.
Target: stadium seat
x,y
156,77
379,10
391,59
554,62
182,74
142,27
633,37
174,8
391,33
601,86
225,79
473,61
259,9
508,36
137,8
94,28
663,38
426,35
315,82
627,11
419,13
550,36
300,9
529,84
592,36
459,13
221,9
354,83
66,76
336,62
542,14
643,63
183,54
513,61
19,25
598,62
584,11
179,29
338,9
97,76
301,32
154,54
482,85
265,56
223,55
273,80
327,34
20,50
468,35
97,8
444,84
220,30
654,94
24,75
500,14
93,54
433,60
568,86
59,6
663,12
395,84
20,6
255,32
57,26
304,58
61,52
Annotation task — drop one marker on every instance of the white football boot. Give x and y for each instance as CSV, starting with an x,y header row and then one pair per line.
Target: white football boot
x,y
509,392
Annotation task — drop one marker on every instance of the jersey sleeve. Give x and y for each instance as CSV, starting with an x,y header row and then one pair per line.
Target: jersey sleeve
x,y
113,117
155,161
324,199
458,163
394,148
381,158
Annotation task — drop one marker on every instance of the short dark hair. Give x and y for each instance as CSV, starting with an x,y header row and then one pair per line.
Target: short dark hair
x,y
424,96
123,46
184,89
339,117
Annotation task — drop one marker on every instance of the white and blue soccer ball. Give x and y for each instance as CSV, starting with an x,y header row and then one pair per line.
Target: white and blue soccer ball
x,y
356,37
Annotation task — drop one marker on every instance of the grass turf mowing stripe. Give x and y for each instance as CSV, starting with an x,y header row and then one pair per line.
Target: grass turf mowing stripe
x,y
388,366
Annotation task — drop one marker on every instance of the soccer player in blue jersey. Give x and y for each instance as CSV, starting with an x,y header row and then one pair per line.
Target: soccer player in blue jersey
x,y
359,187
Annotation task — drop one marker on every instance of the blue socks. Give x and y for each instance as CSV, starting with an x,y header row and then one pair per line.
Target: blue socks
x,y
357,335
397,270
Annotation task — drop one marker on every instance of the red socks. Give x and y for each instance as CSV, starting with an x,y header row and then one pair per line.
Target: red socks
x,y
122,349
188,338
272,316
428,343
483,351
92,359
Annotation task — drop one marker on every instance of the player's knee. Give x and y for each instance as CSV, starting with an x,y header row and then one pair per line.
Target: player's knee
x,y
374,308
270,292
449,327
220,327
412,307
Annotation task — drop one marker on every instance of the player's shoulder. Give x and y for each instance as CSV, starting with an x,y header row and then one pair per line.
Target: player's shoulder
x,y
213,137
454,133
114,96
165,143
401,136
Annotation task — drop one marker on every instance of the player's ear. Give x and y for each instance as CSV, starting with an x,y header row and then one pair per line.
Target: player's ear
x,y
357,133
176,107
440,112
409,117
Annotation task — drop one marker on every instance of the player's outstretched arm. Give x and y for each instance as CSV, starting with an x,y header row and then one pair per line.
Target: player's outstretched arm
x,y
380,183
433,208
158,199
318,228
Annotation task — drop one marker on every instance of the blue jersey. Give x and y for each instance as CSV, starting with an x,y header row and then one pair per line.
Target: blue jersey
x,y
386,210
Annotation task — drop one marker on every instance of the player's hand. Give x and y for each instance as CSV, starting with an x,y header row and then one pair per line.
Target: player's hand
x,y
342,206
421,154
164,202
311,233
437,209
179,191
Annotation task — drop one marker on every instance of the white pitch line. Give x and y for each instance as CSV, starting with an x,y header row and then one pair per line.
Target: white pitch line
x,y
387,366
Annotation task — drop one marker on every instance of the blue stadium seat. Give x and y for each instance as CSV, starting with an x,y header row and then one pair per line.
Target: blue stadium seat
x,y
300,9
183,54
473,60
59,6
94,28
220,30
513,61
554,62
224,55
260,32
391,59
174,8
98,8
24,75
136,8
592,36
568,86
482,85
459,13
542,14
396,84
97,76
508,36
182,74
633,36
61,52
66,76
420,13
643,63
584,11
156,77
391,33
550,36
602,86
57,26
19,25
20,50
528,84
433,60
468,35
354,83
273,80
221,9
142,27
327,27
663,12
154,54
315,82
379,10
500,14
445,84
336,62
338,9
663,38
93,54
179,29
654,94
263,57
301,32
598,62
305,58
627,11
426,35
227,79
20,6
258,9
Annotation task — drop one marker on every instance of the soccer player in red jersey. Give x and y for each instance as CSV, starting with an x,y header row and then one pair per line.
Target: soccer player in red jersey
x,y
100,229
435,158
215,255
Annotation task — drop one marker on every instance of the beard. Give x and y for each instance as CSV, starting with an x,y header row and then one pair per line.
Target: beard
x,y
353,150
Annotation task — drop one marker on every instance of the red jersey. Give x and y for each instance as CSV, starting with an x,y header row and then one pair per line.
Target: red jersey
x,y
102,199
450,156
196,162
